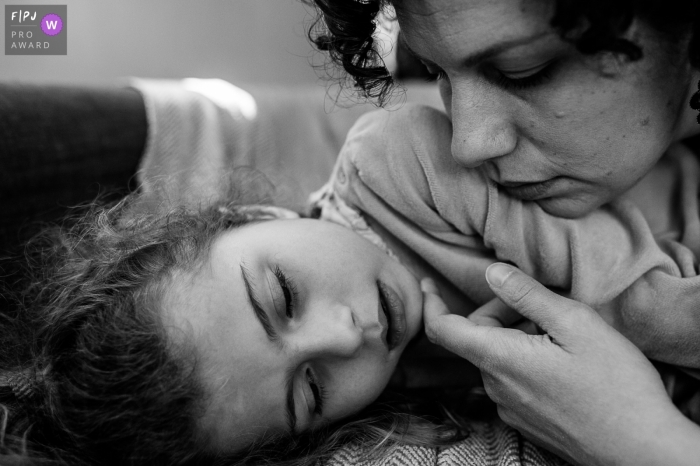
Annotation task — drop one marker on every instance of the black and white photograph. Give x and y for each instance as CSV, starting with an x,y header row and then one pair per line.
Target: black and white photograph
x,y
350,233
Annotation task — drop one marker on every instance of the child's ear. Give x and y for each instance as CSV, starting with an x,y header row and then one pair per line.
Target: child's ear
x,y
266,212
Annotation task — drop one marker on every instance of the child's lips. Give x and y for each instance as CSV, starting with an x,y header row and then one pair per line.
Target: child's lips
x,y
395,313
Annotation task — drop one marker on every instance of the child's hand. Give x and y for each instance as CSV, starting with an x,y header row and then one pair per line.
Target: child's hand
x,y
581,389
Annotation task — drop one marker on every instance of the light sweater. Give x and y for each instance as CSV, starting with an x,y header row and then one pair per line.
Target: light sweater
x,y
632,260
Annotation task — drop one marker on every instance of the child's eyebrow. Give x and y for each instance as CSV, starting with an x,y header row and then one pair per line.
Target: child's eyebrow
x,y
258,310
272,335
290,405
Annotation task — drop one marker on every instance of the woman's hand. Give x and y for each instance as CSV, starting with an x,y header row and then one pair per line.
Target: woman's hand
x,y
580,389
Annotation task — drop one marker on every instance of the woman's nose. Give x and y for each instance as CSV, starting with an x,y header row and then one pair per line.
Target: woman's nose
x,y
330,331
481,124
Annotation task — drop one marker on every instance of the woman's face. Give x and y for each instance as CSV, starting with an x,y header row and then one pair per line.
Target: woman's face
x,y
549,124
297,323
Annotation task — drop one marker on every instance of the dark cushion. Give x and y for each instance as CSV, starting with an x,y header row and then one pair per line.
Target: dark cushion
x,y
61,146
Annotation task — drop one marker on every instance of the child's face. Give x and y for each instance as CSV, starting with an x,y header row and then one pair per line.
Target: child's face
x,y
320,290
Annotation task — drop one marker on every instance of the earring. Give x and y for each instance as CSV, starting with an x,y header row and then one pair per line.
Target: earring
x,y
695,101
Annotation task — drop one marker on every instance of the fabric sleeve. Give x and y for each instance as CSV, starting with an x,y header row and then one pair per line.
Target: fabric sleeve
x,y
595,258
644,282
397,169
382,170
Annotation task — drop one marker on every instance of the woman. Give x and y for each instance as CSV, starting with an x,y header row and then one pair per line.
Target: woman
x,y
567,104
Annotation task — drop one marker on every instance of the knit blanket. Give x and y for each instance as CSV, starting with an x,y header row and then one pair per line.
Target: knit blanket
x,y
491,444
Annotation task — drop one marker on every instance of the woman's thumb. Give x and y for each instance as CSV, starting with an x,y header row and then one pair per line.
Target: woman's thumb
x,y
528,297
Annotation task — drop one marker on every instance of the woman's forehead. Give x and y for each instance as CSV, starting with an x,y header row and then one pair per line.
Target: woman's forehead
x,y
478,24
512,8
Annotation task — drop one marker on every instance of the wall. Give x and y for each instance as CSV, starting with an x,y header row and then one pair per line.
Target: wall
x,y
244,41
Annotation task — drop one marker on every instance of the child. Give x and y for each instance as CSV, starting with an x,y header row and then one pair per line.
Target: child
x,y
144,337
627,259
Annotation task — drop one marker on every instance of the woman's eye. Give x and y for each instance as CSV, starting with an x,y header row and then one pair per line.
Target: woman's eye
x,y
526,79
288,290
437,75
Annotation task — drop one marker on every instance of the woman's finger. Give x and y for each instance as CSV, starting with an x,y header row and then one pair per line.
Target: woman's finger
x,y
528,326
495,313
530,298
480,345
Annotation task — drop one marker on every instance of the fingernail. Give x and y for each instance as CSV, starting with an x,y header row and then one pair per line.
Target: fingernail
x,y
496,274
427,285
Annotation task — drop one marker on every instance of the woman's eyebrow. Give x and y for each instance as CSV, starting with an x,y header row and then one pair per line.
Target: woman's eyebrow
x,y
485,54
408,48
260,313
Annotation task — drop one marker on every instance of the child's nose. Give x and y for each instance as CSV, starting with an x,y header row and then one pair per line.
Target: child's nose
x,y
331,332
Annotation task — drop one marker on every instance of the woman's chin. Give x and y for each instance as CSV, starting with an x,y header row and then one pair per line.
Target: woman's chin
x,y
570,206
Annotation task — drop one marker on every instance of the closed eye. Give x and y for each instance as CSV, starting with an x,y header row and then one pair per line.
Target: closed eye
x,y
288,290
439,76
318,390
525,79
522,80
436,74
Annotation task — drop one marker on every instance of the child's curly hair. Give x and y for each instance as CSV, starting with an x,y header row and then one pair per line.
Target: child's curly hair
x,y
89,374
103,381
345,28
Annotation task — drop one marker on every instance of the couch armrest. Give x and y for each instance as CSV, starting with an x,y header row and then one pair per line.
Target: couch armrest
x,y
60,146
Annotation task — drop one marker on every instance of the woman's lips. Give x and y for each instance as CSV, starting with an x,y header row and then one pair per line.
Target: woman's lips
x,y
396,315
530,191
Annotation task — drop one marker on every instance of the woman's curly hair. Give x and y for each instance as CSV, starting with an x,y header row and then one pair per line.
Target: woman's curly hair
x,y
345,29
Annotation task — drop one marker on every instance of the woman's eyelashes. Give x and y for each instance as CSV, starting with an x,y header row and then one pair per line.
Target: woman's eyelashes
x,y
289,291
507,80
525,79
435,74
